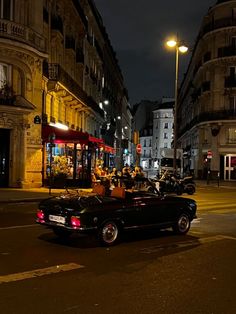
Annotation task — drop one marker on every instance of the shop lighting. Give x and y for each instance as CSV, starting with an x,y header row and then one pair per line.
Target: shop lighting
x,y
106,102
119,117
59,126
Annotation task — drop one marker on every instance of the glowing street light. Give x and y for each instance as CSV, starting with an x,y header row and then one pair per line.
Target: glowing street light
x,y
174,43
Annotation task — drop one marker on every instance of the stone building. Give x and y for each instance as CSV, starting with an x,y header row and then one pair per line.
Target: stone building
x,y
206,111
57,69
153,120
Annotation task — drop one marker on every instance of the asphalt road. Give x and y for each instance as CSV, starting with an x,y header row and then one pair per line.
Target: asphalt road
x,y
149,272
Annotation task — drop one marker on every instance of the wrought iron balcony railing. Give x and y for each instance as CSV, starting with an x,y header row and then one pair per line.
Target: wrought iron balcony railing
x,y
229,114
220,23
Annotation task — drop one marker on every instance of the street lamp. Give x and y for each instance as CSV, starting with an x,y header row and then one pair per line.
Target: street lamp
x,y
174,43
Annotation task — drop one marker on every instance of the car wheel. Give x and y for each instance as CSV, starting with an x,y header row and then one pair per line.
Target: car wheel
x,y
61,232
191,189
109,233
182,225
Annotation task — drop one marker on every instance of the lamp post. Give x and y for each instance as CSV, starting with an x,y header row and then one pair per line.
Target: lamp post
x,y
174,43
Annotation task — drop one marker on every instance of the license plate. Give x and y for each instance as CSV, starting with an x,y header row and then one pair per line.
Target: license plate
x,y
58,219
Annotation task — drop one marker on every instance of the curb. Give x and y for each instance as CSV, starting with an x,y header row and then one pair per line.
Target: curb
x,y
22,200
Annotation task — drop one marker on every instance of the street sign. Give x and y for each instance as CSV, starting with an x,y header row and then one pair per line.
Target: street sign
x,y
139,148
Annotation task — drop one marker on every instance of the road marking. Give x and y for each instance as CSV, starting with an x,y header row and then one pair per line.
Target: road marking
x,y
17,227
177,245
196,221
39,272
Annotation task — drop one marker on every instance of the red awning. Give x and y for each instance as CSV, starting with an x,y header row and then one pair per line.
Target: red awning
x,y
108,149
95,140
64,136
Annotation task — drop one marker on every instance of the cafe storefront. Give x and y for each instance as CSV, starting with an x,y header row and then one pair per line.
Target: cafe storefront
x,y
70,156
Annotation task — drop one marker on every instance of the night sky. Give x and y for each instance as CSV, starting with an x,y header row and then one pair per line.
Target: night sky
x,y
138,29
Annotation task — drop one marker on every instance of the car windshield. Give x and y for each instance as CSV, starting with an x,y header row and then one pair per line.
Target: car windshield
x,y
86,201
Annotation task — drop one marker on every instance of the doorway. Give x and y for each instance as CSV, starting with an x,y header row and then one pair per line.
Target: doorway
x,y
4,157
230,167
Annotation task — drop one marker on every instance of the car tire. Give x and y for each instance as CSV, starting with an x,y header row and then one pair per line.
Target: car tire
x,y
182,225
190,189
109,233
61,233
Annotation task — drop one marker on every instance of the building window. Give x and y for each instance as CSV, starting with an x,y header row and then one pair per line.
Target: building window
x,y
232,136
144,144
232,104
165,145
5,75
6,9
144,153
233,73
166,125
165,135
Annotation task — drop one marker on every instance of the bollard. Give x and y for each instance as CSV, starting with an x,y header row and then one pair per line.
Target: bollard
x,y
208,176
218,178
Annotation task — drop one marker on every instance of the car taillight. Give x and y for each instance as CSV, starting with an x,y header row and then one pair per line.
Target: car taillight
x,y
40,214
75,221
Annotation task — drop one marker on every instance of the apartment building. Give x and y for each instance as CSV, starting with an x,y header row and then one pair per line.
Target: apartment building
x,y
206,112
163,120
61,91
154,122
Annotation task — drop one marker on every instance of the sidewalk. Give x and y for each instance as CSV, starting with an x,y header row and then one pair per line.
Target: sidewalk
x,y
13,195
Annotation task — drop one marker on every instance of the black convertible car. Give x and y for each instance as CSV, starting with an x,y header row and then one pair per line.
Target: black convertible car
x,y
108,216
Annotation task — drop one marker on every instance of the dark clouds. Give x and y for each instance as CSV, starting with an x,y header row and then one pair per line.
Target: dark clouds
x,y
137,30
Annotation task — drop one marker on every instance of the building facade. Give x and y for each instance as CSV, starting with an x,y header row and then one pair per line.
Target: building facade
x,y
61,90
206,113
153,120
162,129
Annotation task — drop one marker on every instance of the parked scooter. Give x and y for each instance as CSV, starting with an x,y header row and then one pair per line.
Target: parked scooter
x,y
170,183
189,186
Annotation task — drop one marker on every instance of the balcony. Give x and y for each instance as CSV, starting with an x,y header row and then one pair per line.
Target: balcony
x,y
20,33
217,24
229,114
55,73
226,51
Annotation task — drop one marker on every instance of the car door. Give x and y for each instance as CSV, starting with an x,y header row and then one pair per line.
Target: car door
x,y
154,209
131,213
